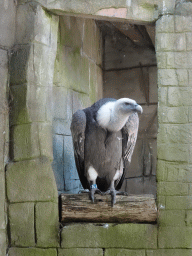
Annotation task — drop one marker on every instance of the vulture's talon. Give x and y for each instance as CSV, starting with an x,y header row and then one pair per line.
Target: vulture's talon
x,y
113,197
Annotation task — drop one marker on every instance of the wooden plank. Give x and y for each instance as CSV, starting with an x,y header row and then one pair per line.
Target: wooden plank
x,y
79,208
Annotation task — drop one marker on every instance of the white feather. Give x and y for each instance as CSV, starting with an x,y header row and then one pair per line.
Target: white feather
x,y
92,174
104,114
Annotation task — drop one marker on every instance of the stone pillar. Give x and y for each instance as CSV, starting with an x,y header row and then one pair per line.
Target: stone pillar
x,y
7,31
174,170
31,187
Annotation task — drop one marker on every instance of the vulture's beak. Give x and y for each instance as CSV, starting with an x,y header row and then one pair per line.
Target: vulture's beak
x,y
139,109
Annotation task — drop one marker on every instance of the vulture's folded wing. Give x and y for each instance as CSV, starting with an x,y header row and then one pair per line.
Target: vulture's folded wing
x,y
129,133
78,126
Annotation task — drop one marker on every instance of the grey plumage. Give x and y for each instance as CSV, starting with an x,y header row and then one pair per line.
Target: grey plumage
x,y
104,136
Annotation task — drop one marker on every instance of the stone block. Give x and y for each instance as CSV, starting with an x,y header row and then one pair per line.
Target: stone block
x,y
80,252
182,60
72,183
32,252
175,237
153,97
188,218
173,152
161,59
28,104
170,42
117,84
177,115
173,218
80,101
162,96
175,133
179,96
169,252
183,23
178,202
161,171
165,24
31,180
47,224
167,77
61,127
182,77
124,252
131,236
45,140
172,188
190,76
99,83
89,39
58,161
92,82
148,122
3,242
170,60
2,201
32,24
167,7
7,25
150,185
25,142
21,218
71,30
134,186
62,103
179,172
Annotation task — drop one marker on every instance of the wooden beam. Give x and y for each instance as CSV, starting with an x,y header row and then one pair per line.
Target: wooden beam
x,y
79,208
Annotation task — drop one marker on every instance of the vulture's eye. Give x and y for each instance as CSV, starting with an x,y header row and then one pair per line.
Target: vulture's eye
x,y
127,104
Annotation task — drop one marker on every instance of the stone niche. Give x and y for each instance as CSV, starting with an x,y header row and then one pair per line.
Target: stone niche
x,y
95,59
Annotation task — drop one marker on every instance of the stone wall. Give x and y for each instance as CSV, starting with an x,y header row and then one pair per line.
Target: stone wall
x,y
77,84
33,226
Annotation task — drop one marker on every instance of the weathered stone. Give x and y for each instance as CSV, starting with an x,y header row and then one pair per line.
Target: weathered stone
x,y
175,237
119,252
58,161
80,101
172,188
61,127
188,218
2,201
153,97
161,59
72,183
165,24
183,23
178,202
162,96
170,60
29,104
167,77
25,142
148,121
173,152
71,30
175,133
21,217
3,242
169,252
179,96
177,115
134,186
161,170
170,42
31,180
92,82
47,224
62,103
99,83
190,76
182,77
45,140
136,236
80,252
182,60
33,24
150,186
32,252
171,218
167,7
7,25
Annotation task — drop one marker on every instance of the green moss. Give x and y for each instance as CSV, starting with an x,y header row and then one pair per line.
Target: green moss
x,y
32,252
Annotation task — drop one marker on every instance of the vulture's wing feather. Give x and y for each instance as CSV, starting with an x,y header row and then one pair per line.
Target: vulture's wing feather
x,y
78,126
129,133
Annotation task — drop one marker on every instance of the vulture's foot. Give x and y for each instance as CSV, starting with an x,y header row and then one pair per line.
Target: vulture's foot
x,y
94,190
113,193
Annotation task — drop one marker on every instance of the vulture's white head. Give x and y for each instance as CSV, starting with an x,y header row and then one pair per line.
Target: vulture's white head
x,y
114,114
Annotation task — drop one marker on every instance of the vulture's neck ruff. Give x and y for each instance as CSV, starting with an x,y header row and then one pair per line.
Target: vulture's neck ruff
x,y
113,115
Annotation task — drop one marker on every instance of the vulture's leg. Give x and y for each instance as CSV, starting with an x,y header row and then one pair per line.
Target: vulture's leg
x,y
92,176
113,193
